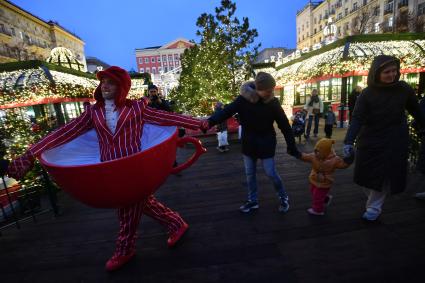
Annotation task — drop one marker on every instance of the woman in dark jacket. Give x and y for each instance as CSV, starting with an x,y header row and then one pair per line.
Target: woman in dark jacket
x,y
379,127
258,109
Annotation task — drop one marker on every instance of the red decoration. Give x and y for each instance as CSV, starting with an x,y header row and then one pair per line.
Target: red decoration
x,y
35,128
124,181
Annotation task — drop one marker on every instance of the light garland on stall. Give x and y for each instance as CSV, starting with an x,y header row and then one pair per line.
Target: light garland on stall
x,y
360,56
32,87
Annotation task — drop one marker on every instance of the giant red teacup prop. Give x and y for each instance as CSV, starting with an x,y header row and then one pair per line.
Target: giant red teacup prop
x,y
77,169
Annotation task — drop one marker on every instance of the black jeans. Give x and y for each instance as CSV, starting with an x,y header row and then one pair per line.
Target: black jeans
x,y
328,130
316,124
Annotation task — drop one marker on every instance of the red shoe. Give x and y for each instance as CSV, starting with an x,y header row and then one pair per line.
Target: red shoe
x,y
116,261
176,236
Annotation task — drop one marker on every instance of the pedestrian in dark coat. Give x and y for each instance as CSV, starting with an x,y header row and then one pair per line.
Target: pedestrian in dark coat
x,y
379,127
330,121
352,100
258,109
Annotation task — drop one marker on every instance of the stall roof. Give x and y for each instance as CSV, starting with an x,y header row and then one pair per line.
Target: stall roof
x,y
36,82
353,55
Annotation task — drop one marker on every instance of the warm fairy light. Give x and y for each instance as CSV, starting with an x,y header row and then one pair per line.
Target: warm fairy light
x,y
359,58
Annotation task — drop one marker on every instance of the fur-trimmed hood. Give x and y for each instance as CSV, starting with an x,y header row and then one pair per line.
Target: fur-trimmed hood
x,y
249,93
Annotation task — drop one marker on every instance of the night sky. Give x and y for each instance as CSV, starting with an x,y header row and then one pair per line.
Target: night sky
x,y
112,30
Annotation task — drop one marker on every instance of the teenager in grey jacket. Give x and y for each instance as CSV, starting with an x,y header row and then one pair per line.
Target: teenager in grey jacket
x,y
258,109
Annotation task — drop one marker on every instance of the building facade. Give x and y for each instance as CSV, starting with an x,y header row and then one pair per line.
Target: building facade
x,y
24,36
272,55
95,65
322,22
163,62
157,59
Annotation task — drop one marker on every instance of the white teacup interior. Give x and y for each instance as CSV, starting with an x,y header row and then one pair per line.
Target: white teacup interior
x,y
84,149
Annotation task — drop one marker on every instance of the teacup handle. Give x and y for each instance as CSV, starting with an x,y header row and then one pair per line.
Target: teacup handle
x,y
199,150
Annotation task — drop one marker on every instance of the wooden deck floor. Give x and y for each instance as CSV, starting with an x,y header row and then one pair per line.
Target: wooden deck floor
x,y
224,245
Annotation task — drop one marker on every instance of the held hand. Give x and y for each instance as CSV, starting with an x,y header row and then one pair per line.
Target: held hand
x,y
20,166
294,152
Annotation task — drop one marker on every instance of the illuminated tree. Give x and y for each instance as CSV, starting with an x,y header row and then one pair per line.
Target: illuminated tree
x,y
214,69
17,134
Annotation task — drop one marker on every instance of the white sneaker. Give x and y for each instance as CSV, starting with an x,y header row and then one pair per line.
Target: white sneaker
x,y
312,212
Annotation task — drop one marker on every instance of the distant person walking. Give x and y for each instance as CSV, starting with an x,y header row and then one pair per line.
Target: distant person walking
x,y
221,130
352,100
314,107
330,121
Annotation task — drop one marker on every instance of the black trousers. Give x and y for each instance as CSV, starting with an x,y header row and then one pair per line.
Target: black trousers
x,y
328,130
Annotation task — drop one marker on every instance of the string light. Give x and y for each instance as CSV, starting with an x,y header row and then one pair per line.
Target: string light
x,y
360,55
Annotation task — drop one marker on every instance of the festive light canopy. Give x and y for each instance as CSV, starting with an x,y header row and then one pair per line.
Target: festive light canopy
x,y
354,57
35,82
38,84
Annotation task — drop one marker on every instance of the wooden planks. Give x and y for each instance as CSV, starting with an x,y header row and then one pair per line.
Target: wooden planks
x,y
224,245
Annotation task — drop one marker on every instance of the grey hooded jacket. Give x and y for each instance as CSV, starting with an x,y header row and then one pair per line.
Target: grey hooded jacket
x,y
257,117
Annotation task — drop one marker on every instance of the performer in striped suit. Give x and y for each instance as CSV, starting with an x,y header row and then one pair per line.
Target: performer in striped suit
x,y
118,123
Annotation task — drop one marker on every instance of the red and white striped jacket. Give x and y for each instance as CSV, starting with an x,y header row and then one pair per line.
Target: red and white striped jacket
x,y
127,137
